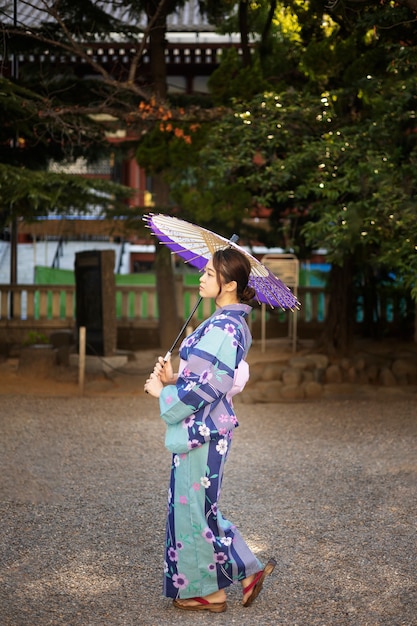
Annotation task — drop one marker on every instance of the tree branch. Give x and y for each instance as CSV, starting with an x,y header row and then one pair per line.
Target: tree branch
x,y
73,46
332,4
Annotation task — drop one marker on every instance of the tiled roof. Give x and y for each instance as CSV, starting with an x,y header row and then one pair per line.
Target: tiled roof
x,y
187,19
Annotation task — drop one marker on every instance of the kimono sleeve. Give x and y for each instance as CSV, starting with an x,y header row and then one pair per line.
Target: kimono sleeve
x,y
207,376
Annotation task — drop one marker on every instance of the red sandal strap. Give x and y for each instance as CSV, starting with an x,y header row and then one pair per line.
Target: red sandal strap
x,y
201,600
253,583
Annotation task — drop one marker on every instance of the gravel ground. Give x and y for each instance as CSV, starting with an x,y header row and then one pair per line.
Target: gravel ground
x,y
329,489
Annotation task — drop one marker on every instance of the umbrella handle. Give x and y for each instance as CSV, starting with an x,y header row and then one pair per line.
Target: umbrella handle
x,y
168,354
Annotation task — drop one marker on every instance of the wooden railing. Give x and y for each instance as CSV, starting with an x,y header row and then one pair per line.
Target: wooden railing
x,y
47,308
26,304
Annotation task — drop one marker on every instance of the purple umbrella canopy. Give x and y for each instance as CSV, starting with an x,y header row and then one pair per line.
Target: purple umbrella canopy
x,y
196,245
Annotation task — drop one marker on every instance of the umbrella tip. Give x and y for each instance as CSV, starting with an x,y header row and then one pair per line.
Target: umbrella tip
x,y
234,238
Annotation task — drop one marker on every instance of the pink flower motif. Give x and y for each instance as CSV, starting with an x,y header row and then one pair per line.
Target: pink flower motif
x,y
168,399
194,443
220,558
222,431
208,535
233,419
183,499
196,486
186,371
183,456
179,581
172,554
223,418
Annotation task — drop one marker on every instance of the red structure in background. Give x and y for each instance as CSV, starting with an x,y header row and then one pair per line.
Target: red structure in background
x,y
135,177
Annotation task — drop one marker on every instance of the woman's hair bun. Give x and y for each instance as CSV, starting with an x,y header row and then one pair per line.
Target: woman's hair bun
x,y
248,294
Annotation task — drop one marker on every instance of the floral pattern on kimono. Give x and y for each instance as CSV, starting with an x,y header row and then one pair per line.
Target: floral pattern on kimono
x,y
204,552
198,408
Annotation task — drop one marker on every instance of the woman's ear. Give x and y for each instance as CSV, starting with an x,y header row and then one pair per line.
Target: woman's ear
x,y
230,287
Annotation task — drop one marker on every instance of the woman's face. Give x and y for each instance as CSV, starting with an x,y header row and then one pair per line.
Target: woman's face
x,y
209,287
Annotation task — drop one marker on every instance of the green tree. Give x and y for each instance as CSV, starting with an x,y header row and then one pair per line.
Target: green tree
x,y
77,111
336,163
329,146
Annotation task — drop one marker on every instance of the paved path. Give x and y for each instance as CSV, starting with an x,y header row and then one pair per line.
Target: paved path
x,y
329,489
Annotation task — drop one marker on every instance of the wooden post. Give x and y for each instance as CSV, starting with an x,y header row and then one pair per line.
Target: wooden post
x,y
81,358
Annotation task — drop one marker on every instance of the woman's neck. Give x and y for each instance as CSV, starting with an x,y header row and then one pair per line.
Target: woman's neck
x,y
224,299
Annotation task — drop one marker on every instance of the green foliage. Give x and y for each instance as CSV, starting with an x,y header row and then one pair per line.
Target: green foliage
x,y
335,163
333,181
169,145
33,338
232,81
30,194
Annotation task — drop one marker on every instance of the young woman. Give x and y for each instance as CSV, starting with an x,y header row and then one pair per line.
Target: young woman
x,y
204,553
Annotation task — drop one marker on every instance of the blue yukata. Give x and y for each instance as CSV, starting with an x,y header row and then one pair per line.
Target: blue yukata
x,y
204,552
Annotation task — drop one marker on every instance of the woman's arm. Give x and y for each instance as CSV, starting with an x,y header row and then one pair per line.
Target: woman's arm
x,y
208,374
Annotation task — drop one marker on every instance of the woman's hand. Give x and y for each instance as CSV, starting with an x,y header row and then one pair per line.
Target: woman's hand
x,y
162,375
153,385
163,369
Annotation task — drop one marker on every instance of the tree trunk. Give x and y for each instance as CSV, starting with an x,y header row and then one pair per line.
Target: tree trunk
x,y
244,33
337,334
265,45
415,323
165,279
157,50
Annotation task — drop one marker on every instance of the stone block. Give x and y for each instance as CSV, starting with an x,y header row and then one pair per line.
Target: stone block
x,y
38,361
292,376
308,376
387,378
351,375
266,392
313,390
373,372
362,377
333,374
292,392
255,373
64,342
96,364
320,361
338,389
272,371
405,369
301,363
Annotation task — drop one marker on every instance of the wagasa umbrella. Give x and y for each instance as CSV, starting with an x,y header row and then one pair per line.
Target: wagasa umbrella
x,y
196,245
